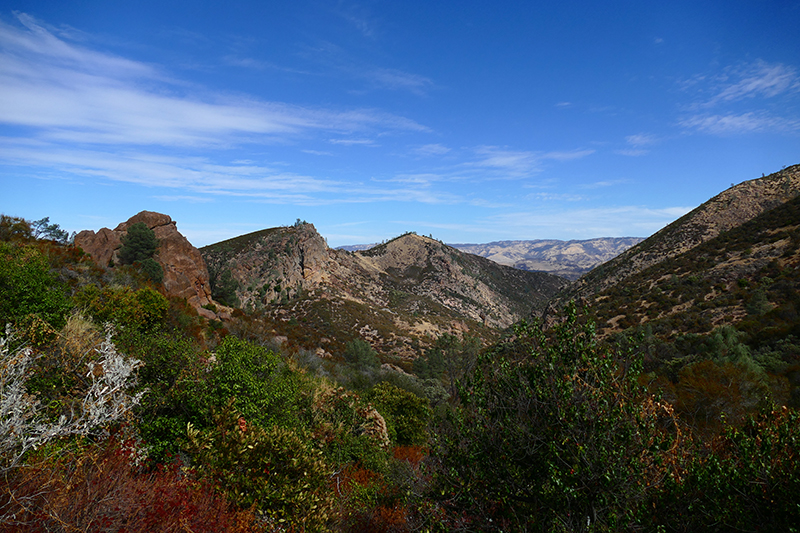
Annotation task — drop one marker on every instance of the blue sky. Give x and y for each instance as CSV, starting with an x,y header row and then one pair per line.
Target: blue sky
x,y
472,121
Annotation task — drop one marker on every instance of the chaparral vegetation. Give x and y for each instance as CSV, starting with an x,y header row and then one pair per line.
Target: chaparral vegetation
x,y
123,409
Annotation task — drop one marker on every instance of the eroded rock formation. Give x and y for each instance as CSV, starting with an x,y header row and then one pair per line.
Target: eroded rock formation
x,y
185,273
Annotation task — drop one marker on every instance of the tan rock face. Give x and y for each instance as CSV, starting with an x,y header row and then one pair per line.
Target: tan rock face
x,y
185,273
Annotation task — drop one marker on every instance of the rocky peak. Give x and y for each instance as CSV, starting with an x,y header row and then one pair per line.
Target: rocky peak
x,y
185,273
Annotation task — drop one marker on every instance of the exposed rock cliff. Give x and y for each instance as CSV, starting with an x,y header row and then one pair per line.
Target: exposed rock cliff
x,y
185,273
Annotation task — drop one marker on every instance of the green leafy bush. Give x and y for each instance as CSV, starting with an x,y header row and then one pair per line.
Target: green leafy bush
x,y
349,429
406,414
144,309
361,355
265,388
173,378
15,229
551,435
273,469
28,288
746,479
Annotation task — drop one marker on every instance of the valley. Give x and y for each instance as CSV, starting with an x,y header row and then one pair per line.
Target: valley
x,y
331,388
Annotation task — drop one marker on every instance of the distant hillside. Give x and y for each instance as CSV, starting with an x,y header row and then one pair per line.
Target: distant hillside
x,y
729,209
394,295
569,259
357,247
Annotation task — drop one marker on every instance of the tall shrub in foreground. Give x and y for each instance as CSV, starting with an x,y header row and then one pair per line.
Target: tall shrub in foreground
x,y
274,470
551,434
746,479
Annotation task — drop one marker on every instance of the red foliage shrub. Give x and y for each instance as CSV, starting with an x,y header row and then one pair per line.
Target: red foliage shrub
x,y
413,454
101,489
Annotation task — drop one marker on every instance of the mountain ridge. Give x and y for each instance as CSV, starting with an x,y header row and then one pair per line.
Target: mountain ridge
x,y
725,211
411,287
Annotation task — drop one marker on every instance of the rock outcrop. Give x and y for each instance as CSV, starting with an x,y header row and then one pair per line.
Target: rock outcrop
x,y
185,273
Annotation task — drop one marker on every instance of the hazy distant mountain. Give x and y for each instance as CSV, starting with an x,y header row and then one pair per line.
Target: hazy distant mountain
x,y
357,247
569,259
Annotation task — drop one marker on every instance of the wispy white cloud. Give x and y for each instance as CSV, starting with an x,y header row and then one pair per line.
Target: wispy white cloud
x,y
636,143
743,99
184,198
622,221
758,79
352,142
69,93
568,155
555,197
641,139
201,176
512,163
521,163
359,18
739,123
632,152
333,59
632,221
398,79
605,183
431,149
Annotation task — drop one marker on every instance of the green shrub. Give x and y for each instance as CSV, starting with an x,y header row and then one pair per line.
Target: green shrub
x,y
15,229
138,244
361,355
551,434
223,288
272,469
406,414
747,479
143,309
28,289
265,389
151,269
173,378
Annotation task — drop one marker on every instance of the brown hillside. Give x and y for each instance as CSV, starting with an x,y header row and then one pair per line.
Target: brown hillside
x,y
727,210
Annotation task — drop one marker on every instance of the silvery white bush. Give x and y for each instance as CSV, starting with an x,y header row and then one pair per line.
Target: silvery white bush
x,y
22,425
